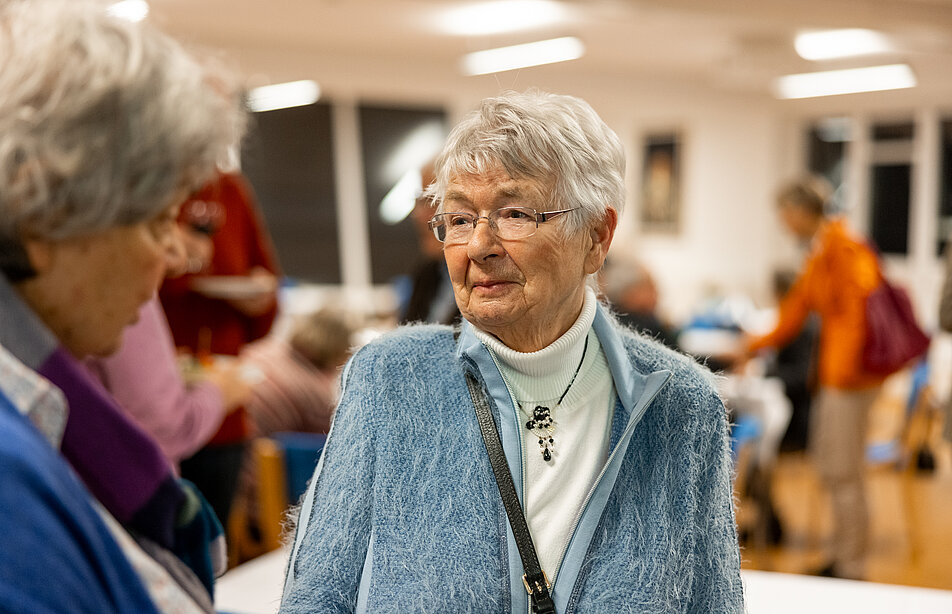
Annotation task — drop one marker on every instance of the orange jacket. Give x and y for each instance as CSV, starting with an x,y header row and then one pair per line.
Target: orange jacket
x,y
837,277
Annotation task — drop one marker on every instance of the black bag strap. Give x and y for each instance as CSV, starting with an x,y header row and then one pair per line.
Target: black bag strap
x,y
535,580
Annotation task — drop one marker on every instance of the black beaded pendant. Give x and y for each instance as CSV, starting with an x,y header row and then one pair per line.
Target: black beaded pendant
x,y
541,420
541,423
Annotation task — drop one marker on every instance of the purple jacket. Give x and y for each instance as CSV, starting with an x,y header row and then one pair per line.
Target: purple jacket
x,y
143,377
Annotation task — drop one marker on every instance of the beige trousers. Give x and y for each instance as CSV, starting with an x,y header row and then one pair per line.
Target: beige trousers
x,y
838,424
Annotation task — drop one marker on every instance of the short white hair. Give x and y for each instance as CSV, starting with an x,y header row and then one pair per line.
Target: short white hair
x,y
102,121
558,141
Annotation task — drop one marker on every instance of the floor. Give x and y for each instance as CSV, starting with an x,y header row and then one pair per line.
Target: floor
x,y
910,514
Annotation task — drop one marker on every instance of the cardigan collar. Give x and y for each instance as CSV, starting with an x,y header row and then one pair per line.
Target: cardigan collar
x,y
629,383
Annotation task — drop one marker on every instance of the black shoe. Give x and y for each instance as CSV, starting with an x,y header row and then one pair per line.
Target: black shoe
x,y
825,572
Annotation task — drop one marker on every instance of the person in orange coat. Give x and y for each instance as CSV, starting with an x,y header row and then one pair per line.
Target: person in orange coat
x,y
839,274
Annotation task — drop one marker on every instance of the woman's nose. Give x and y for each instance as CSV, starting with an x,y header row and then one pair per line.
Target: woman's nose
x,y
176,256
484,243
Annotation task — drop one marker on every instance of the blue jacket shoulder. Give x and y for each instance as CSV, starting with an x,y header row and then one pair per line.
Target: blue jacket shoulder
x,y
649,355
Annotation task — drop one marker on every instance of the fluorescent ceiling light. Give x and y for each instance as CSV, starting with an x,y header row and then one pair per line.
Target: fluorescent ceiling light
x,y
832,44
849,81
500,16
283,95
130,10
522,56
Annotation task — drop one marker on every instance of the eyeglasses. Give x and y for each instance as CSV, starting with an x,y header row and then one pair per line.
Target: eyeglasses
x,y
509,223
203,216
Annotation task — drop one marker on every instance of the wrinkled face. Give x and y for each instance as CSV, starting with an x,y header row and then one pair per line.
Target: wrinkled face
x,y
526,292
89,288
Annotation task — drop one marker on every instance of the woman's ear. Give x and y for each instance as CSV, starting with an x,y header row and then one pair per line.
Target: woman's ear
x,y
601,236
40,254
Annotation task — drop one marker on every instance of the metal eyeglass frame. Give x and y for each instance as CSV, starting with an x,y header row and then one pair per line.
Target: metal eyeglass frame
x,y
437,223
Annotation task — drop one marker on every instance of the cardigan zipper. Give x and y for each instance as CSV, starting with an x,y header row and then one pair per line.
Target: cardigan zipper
x,y
578,518
522,449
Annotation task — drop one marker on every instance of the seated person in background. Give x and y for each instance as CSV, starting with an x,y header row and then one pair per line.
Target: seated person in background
x,y
431,297
144,375
105,127
634,295
297,390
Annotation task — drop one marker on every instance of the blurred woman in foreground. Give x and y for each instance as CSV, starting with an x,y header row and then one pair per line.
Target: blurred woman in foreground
x,y
105,127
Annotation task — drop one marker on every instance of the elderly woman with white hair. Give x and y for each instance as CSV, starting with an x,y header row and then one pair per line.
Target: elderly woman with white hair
x,y
540,455
105,127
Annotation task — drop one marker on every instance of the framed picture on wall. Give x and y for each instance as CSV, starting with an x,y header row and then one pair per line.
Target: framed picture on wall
x,y
661,183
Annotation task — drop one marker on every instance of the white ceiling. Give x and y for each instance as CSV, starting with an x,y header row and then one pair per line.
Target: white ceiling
x,y
732,45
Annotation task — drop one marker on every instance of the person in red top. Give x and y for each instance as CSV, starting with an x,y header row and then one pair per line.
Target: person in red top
x,y
839,274
218,310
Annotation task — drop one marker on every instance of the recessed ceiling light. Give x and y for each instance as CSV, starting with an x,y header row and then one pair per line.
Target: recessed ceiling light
x,y
523,56
131,10
283,95
500,16
832,44
848,81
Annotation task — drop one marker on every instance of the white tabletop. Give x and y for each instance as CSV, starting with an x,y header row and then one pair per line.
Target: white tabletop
x,y
255,588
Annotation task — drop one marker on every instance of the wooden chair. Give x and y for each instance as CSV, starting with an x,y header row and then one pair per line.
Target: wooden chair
x,y
255,532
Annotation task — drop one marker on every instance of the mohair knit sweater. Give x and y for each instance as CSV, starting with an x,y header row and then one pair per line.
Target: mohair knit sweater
x,y
403,514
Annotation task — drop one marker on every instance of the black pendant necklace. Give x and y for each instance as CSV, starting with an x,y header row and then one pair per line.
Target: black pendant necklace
x,y
541,422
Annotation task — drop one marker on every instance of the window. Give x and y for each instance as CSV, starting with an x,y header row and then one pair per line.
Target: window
x,y
826,151
396,143
289,160
945,186
890,180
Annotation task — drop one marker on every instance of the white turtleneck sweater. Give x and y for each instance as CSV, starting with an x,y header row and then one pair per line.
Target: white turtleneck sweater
x,y
555,491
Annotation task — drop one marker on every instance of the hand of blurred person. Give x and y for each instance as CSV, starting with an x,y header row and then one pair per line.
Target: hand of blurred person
x,y
742,354
259,303
736,362
231,380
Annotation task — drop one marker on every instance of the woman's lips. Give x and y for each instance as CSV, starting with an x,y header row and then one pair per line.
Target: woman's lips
x,y
491,287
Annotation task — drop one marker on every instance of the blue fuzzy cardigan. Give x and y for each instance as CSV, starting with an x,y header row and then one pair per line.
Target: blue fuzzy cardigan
x,y
403,514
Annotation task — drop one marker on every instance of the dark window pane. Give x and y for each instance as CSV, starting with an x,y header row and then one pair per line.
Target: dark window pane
x,y
827,147
890,207
826,155
899,131
945,186
395,141
289,160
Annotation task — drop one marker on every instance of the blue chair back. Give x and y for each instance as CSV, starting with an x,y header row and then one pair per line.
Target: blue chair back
x,y
301,453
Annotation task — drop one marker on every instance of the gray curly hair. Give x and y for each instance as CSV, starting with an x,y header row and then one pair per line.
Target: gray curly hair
x,y
102,121
554,139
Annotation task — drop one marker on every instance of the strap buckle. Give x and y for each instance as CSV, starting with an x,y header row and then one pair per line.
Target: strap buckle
x,y
538,587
